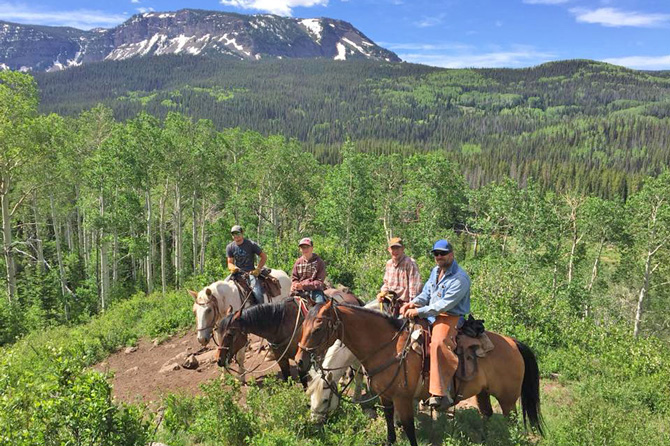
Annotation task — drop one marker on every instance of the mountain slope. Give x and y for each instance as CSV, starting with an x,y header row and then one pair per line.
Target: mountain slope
x,y
188,31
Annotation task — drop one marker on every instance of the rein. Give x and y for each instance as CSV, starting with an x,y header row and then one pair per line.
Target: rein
x,y
288,346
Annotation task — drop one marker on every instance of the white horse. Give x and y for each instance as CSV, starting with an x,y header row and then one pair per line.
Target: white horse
x,y
213,300
338,360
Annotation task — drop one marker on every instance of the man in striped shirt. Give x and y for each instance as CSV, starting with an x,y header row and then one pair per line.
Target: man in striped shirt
x,y
402,273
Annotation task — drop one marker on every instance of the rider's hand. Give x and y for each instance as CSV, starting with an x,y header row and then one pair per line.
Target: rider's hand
x,y
255,272
406,306
381,295
297,287
411,313
233,269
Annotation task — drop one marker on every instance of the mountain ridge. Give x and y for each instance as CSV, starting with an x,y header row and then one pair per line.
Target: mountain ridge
x,y
187,31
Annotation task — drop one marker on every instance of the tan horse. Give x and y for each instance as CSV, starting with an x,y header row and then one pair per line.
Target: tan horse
x,y
380,342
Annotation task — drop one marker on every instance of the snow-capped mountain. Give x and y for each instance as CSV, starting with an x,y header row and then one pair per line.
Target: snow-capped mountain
x,y
188,31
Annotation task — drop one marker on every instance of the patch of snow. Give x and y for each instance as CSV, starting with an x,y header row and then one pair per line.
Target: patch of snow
x,y
166,15
25,69
331,25
181,41
257,56
231,42
4,67
359,48
341,52
366,43
155,38
314,27
253,25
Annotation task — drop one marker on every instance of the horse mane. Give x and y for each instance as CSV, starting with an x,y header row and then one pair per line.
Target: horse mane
x,y
395,322
264,316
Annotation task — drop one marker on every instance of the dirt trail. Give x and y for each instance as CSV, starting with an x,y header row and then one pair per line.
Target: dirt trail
x,y
144,375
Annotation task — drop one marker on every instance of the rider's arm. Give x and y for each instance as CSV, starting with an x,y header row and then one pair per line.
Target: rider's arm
x,y
414,284
424,297
317,282
295,279
263,259
451,295
231,264
385,287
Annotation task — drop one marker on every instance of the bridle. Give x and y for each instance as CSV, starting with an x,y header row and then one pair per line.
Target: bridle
x,y
211,302
332,325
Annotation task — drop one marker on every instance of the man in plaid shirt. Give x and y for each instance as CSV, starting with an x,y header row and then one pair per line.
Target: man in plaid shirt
x,y
402,273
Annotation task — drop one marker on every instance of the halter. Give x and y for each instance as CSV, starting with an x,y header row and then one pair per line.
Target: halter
x,y
210,300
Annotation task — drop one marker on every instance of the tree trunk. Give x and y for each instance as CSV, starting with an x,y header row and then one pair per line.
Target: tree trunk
x,y
115,259
7,239
161,226
203,240
59,256
178,256
150,246
643,293
104,262
194,233
39,246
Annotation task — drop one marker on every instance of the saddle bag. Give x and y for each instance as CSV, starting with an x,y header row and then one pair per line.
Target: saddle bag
x,y
270,285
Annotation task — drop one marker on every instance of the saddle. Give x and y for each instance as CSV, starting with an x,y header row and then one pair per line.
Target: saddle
x,y
391,304
471,343
270,285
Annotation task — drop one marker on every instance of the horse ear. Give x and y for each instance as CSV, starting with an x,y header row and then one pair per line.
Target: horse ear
x,y
208,292
193,294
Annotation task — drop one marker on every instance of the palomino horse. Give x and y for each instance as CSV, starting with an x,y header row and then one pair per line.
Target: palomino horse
x,y
381,343
279,323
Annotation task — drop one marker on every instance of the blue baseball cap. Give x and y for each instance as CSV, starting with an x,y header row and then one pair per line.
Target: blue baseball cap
x,y
442,245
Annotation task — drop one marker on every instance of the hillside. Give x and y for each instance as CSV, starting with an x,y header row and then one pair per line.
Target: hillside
x,y
571,124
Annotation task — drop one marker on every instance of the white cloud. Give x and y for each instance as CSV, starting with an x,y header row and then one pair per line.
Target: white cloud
x,y
499,59
134,1
642,62
425,46
545,2
612,17
279,7
79,18
144,10
427,22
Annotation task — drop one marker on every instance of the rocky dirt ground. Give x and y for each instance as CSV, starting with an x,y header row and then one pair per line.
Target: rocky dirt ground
x,y
142,374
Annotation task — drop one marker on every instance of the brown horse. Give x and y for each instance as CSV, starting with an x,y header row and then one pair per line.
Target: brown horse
x,y
381,343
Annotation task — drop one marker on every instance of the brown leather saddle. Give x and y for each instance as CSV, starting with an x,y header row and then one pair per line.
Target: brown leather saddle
x,y
472,343
391,304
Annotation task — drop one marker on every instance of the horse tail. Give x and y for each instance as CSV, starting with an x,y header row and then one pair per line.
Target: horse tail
x,y
530,389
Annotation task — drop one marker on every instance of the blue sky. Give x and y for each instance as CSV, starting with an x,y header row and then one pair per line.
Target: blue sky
x,y
447,33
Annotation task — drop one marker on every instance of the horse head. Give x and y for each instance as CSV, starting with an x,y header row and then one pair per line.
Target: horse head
x,y
319,331
206,311
232,335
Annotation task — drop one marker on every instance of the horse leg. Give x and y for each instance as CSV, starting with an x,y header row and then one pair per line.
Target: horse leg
x,y
285,369
388,416
304,378
240,357
405,409
508,405
484,403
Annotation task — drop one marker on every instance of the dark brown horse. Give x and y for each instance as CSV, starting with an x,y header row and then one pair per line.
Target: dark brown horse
x,y
380,342
279,323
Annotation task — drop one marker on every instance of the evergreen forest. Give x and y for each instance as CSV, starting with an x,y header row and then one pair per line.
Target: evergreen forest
x,y
119,183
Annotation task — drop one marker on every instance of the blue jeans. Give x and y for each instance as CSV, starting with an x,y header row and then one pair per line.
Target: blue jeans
x,y
318,297
255,285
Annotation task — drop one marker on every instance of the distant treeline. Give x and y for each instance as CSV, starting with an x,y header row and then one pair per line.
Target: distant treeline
x,y
575,125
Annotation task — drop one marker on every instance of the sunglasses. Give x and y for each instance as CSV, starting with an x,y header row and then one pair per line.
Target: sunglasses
x,y
235,233
440,253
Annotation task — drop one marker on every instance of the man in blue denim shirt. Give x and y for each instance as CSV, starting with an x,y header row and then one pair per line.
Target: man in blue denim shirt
x,y
444,300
